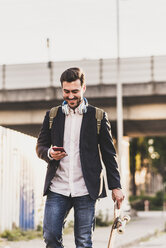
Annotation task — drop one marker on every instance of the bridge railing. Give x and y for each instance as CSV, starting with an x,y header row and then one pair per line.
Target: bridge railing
x,y
102,71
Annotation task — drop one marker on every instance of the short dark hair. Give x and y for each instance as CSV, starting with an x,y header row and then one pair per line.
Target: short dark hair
x,y
72,74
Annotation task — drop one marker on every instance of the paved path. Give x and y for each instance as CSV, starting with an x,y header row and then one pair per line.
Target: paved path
x,y
155,242
142,227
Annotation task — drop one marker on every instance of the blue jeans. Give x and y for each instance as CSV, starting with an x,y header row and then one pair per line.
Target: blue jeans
x,y
56,210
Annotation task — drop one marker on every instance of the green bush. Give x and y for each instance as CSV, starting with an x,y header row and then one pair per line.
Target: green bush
x,y
155,202
158,199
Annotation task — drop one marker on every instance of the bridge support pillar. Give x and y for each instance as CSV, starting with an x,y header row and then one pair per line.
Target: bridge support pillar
x,y
125,170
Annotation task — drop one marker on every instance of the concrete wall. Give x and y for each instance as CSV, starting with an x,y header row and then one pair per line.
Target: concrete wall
x,y
21,181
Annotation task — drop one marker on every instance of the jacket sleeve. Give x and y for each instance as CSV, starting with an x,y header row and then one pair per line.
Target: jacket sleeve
x,y
108,153
44,140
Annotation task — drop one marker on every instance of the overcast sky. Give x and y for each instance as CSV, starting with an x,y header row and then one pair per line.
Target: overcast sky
x,y
80,29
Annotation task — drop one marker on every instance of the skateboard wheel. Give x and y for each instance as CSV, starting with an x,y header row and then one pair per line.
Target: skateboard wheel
x,y
127,218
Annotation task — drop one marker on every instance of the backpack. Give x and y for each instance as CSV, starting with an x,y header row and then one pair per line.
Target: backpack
x,y
99,116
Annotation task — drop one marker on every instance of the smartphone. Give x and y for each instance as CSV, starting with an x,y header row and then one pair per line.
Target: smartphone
x,y
61,149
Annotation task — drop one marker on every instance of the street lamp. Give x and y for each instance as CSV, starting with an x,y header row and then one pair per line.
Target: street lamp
x,y
50,63
119,93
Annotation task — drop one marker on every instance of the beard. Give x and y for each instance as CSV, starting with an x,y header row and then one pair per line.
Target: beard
x,y
74,102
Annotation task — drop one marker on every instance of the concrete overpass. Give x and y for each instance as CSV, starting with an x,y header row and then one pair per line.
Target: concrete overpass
x,y
144,106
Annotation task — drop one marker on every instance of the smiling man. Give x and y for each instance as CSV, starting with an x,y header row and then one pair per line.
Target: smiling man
x,y
73,93
70,146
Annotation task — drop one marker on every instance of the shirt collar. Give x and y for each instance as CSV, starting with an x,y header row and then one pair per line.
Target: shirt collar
x,y
73,111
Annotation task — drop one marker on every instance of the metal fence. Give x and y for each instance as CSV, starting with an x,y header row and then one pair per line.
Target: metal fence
x,y
102,71
21,181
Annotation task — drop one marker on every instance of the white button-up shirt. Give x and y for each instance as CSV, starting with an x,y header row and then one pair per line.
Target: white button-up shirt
x,y
68,179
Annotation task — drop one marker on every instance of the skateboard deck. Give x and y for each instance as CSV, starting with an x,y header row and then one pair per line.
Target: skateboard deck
x,y
118,225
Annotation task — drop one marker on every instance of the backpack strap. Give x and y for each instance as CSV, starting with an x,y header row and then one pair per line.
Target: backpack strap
x,y
103,177
99,117
52,115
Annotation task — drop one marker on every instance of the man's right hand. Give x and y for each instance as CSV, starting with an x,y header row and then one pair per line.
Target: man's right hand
x,y
57,155
117,195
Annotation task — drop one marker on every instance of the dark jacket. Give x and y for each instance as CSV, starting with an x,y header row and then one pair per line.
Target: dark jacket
x,y
89,154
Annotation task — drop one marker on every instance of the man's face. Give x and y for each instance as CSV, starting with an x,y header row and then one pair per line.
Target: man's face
x,y
73,93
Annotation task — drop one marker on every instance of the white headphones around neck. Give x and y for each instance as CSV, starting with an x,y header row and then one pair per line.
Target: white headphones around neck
x,y
82,108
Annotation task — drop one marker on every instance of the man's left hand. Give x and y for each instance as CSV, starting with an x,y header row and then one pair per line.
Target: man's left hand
x,y
117,195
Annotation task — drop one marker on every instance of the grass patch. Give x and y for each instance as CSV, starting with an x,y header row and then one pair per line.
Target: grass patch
x,y
17,234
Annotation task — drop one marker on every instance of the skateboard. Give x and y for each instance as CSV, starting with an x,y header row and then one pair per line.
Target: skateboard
x,y
118,225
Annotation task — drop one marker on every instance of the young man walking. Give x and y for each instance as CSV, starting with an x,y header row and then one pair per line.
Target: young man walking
x,y
73,176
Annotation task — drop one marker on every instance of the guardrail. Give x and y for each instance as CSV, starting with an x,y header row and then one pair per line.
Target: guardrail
x,y
102,71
